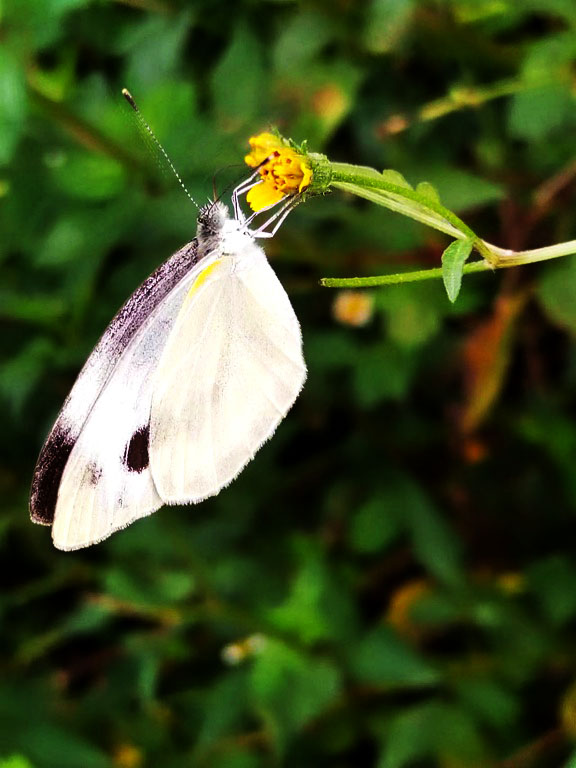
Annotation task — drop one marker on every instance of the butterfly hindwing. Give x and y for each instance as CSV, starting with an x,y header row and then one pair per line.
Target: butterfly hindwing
x,y
231,370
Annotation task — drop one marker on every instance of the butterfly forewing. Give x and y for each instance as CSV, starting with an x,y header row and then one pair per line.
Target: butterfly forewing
x,y
105,483
96,372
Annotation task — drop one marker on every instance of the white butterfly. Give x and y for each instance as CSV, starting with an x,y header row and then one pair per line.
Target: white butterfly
x,y
190,378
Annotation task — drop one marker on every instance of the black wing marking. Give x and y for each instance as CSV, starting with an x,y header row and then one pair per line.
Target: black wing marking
x,y
93,377
136,456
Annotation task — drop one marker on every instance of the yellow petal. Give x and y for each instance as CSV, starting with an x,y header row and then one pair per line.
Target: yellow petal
x,y
262,146
262,195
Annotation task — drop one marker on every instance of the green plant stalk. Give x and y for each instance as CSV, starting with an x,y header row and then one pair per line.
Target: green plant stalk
x,y
396,204
344,176
369,183
505,259
466,97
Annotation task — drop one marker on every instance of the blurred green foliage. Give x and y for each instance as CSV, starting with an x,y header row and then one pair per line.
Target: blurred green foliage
x,y
391,582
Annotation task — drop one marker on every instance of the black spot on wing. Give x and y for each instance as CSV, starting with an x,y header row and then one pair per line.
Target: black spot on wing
x,y
136,457
48,474
95,473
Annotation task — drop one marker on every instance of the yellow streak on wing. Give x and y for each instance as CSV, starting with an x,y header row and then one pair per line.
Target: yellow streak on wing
x,y
202,277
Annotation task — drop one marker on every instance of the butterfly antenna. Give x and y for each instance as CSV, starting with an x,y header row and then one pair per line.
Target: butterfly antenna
x,y
155,141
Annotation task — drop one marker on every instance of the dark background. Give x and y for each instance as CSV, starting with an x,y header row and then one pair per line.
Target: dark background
x,y
391,582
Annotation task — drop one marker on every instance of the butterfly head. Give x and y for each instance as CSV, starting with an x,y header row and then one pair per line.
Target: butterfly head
x,y
211,220
216,230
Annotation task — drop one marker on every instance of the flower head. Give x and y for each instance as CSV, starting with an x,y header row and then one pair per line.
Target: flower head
x,y
283,170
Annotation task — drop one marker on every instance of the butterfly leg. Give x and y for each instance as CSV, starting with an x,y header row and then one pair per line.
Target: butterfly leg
x,y
241,189
277,218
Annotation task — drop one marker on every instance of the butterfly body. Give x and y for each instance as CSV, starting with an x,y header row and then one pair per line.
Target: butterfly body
x,y
191,377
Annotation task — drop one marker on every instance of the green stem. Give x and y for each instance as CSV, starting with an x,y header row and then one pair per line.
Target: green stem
x,y
463,97
419,204
363,177
398,278
396,203
504,259
508,258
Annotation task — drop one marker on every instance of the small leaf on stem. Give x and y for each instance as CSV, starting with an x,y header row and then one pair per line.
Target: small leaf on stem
x,y
453,260
395,177
428,191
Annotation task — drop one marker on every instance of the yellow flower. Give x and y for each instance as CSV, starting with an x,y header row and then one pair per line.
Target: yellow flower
x,y
283,170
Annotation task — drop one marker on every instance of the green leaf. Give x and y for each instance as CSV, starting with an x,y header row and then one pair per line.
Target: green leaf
x,y
414,312
435,544
83,234
90,176
453,260
316,608
13,103
332,349
301,39
386,21
148,587
489,700
65,242
536,113
291,688
391,176
375,525
56,747
37,22
408,736
155,48
552,580
382,658
222,709
556,436
40,309
457,735
549,59
330,89
238,81
236,757
459,189
556,292
15,761
469,11
428,191
20,374
383,372
406,206
433,729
